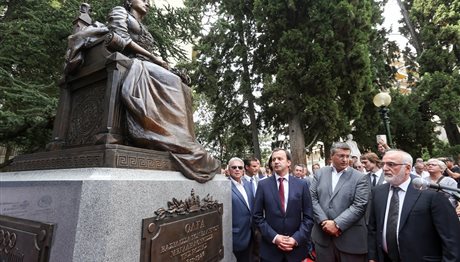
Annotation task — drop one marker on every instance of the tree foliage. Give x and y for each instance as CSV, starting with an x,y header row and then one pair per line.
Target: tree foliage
x,y
224,72
319,53
436,23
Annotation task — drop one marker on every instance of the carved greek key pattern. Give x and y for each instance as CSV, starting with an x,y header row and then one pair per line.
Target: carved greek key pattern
x,y
143,162
95,156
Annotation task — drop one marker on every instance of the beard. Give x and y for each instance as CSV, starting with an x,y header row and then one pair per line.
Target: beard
x,y
397,179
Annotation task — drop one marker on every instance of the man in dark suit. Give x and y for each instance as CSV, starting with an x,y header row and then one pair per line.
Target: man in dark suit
x,y
340,194
283,212
371,163
375,176
407,224
242,200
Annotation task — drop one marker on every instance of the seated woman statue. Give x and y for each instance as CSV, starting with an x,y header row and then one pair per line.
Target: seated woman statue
x,y
158,103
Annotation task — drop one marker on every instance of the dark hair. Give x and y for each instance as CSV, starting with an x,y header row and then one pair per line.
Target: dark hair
x,y
247,161
288,154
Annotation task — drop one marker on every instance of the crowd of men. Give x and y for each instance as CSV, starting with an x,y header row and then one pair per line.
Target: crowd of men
x,y
363,208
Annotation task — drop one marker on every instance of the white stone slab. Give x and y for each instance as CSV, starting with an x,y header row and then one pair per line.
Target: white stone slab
x,y
98,212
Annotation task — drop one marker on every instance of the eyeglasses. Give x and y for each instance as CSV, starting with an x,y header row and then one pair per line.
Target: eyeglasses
x,y
237,167
391,164
431,164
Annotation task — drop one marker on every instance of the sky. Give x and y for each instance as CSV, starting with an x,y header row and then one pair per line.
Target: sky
x,y
392,14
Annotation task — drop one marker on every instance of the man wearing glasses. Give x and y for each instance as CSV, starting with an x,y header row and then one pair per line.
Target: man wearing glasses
x,y
242,200
407,224
283,212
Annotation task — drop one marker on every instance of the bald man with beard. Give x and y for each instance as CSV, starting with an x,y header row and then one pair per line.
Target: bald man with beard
x,y
407,224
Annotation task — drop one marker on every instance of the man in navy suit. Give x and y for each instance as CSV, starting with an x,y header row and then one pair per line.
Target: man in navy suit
x,y
242,201
283,213
408,224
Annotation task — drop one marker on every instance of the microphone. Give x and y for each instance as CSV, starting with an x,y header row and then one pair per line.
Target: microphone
x,y
421,184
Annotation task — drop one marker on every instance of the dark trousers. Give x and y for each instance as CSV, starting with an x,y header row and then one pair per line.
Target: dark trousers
x,y
244,255
332,254
257,239
386,258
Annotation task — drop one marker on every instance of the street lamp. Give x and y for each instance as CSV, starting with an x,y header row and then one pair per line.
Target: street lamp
x,y
382,100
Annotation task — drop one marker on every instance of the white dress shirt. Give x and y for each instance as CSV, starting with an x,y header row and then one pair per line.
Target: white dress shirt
x,y
378,173
402,195
240,188
336,176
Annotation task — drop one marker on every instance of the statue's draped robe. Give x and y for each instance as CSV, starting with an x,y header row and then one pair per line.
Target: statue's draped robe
x,y
158,104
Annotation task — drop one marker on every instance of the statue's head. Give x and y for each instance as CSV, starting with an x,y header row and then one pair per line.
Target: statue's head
x,y
129,3
350,137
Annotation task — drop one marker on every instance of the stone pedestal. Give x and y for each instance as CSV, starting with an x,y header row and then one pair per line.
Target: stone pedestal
x,y
98,212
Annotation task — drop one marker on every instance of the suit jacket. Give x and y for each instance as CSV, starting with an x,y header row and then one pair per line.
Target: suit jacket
x,y
346,206
369,203
429,229
379,182
241,218
271,220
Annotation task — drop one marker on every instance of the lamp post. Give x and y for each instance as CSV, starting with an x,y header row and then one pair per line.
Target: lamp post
x,y
382,100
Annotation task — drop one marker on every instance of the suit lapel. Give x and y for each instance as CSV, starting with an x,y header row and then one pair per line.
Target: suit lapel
x,y
381,205
240,197
275,191
249,193
291,187
381,178
343,178
328,178
409,200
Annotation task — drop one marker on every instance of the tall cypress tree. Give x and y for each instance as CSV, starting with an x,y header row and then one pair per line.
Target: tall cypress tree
x,y
318,52
436,32
225,75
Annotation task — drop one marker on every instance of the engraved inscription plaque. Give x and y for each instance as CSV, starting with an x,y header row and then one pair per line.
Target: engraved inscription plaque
x,y
24,240
188,231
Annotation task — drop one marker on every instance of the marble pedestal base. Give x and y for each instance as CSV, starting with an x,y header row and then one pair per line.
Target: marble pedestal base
x,y
98,212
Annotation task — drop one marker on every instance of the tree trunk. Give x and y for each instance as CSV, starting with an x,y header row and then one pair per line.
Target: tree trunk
x,y
415,42
8,151
453,135
297,140
247,93
254,129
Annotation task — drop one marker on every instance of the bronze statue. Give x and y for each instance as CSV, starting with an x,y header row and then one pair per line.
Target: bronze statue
x,y
158,103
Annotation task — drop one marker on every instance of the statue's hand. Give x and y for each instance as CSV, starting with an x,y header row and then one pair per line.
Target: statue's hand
x,y
159,61
165,65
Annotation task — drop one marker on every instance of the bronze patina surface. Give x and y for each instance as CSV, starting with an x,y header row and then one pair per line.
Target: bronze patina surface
x,y
108,155
189,230
24,240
